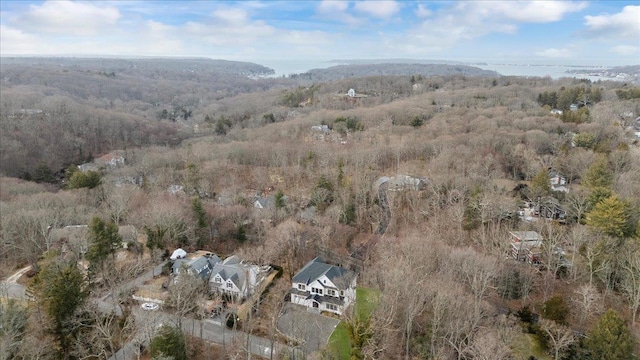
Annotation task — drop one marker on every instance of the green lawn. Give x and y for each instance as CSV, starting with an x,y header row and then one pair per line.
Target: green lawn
x,y
339,342
526,345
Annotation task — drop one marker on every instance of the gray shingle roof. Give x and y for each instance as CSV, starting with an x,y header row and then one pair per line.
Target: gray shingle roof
x,y
315,268
201,265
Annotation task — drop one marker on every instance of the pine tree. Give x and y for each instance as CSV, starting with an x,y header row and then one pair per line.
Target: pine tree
x,y
610,216
62,289
610,338
104,240
598,175
540,185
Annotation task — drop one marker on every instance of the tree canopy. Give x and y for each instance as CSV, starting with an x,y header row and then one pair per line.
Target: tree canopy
x,y
169,342
610,339
610,216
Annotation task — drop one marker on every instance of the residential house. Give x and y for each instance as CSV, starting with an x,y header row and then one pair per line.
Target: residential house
x,y
525,245
324,287
110,161
558,182
199,265
235,278
266,202
549,208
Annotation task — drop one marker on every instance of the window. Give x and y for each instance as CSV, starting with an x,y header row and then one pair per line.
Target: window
x,y
316,291
331,292
302,287
229,285
341,292
331,307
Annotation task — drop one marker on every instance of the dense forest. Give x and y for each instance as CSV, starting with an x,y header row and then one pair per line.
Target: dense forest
x,y
200,141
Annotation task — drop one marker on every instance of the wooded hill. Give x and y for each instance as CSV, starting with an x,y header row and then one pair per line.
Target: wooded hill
x,y
443,265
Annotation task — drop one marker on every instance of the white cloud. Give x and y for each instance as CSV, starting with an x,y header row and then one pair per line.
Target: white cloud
x,y
332,6
527,11
336,10
15,42
231,15
423,12
626,50
69,17
383,9
554,53
625,24
466,20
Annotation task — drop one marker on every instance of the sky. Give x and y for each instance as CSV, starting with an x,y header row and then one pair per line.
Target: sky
x,y
536,32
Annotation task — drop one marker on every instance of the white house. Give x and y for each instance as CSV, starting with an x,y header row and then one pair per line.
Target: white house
x,y
324,287
558,182
235,278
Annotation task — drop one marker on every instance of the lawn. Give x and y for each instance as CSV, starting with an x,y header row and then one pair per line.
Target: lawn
x,y
526,345
339,342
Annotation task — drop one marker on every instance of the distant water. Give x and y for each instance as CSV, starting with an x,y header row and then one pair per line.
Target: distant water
x,y
288,67
295,66
552,71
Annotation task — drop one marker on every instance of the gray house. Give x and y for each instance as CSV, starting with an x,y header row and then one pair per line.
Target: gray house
x,y
200,266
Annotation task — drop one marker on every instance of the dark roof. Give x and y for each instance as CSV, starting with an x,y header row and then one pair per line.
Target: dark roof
x,y
315,268
201,265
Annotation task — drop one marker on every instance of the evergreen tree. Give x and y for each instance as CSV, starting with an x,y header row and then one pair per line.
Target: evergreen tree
x,y
169,342
201,215
610,216
62,290
598,174
279,200
540,185
104,240
610,338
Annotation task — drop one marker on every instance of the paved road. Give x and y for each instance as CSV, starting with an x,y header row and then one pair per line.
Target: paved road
x,y
149,321
312,329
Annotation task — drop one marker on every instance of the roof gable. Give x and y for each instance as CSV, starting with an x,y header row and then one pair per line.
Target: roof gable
x,y
316,268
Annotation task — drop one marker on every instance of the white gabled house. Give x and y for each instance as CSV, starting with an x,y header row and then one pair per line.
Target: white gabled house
x,y
235,278
324,287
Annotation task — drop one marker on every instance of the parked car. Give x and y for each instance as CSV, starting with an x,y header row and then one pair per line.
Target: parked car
x,y
150,306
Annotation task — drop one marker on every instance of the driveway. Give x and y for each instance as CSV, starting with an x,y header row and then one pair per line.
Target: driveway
x,y
10,287
312,329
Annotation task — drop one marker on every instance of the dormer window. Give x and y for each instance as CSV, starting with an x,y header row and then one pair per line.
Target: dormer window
x,y
302,287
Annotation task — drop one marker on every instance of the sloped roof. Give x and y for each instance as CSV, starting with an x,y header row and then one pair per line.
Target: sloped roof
x,y
527,235
316,268
201,265
233,269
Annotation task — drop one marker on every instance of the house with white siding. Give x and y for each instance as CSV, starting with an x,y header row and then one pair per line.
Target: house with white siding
x,y
324,287
236,278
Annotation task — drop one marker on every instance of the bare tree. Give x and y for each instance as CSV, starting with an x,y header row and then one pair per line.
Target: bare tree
x,y
586,299
561,336
184,293
630,284
487,345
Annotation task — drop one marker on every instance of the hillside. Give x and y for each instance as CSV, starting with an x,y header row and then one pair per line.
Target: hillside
x,y
425,187
392,69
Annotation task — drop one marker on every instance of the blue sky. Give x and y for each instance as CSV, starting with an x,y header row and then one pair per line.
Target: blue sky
x,y
543,32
